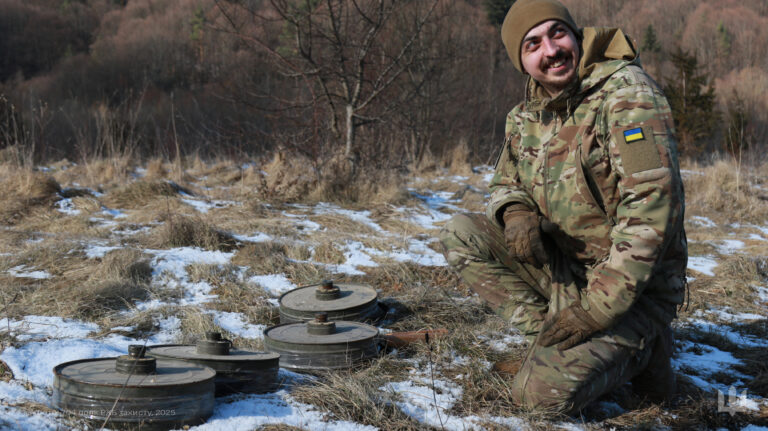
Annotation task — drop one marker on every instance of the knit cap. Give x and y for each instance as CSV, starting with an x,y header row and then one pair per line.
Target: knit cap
x,y
526,14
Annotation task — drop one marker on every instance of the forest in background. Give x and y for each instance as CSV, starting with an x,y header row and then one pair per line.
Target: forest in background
x,y
395,84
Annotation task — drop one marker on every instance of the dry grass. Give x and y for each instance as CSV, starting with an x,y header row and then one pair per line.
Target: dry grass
x,y
355,395
731,287
79,289
140,193
727,193
24,191
291,178
190,231
234,294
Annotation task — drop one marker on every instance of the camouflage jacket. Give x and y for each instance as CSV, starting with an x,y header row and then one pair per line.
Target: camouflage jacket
x,y
600,161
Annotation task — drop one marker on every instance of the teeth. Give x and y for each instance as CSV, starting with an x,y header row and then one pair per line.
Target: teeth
x,y
558,64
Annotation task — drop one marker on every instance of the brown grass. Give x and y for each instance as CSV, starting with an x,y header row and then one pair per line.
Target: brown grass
x,y
24,190
190,231
731,287
140,193
355,395
235,295
724,192
79,288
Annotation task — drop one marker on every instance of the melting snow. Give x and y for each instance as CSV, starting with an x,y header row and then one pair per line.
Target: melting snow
x,y
256,237
702,264
98,251
17,419
729,246
702,221
273,284
67,207
358,216
236,323
417,399
35,360
254,411
21,271
41,327
203,206
727,315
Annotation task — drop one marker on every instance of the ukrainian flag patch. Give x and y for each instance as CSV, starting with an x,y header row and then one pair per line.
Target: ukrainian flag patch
x,y
633,135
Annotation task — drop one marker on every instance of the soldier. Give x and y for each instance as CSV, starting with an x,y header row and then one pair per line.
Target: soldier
x,y
582,246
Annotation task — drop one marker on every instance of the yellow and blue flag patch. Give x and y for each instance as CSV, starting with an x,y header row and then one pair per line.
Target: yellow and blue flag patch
x,y
633,135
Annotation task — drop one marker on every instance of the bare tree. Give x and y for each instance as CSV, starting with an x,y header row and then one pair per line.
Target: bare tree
x,y
349,52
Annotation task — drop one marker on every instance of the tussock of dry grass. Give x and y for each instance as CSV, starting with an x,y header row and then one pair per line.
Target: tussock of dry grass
x,y
458,159
725,192
234,295
275,258
293,178
732,285
408,280
140,193
355,396
24,190
269,257
186,231
80,289
328,252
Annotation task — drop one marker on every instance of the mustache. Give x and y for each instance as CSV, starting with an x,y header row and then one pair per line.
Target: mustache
x,y
559,55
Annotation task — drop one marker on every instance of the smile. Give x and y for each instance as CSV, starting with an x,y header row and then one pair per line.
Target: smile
x,y
557,64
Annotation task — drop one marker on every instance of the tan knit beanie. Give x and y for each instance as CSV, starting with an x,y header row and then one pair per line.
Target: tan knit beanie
x,y
526,14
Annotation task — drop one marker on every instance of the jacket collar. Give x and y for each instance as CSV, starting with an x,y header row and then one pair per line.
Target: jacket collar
x,y
603,52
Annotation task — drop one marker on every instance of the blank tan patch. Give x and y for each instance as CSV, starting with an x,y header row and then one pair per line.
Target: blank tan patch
x,y
640,155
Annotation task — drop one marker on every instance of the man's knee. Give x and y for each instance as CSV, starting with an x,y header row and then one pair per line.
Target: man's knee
x,y
535,391
460,225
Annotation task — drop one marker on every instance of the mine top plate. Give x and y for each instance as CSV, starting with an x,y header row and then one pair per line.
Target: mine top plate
x,y
102,372
184,351
350,295
346,332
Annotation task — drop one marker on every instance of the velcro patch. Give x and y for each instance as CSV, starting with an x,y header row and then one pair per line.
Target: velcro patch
x,y
633,135
638,150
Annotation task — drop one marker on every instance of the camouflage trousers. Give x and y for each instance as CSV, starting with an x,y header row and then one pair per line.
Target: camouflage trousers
x,y
549,379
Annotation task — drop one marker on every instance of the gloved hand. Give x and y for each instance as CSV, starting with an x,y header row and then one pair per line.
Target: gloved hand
x,y
523,236
568,327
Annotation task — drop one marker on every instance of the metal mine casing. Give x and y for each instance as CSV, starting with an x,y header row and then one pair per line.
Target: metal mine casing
x,y
236,370
321,346
343,301
171,394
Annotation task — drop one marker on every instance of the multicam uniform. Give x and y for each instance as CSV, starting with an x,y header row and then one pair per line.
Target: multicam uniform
x,y
599,161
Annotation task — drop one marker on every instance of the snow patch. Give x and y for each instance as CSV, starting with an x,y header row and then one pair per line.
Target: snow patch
x,y
702,221
42,327
67,206
274,284
702,264
236,323
256,237
21,271
203,206
98,251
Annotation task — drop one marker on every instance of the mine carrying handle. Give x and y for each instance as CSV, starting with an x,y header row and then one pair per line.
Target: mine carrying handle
x,y
402,339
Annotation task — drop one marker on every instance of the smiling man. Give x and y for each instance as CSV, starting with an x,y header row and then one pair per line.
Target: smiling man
x,y
582,247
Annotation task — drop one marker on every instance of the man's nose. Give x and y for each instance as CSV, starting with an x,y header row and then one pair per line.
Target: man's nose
x,y
550,48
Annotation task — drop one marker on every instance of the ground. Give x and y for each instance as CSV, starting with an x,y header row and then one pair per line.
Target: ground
x,y
100,255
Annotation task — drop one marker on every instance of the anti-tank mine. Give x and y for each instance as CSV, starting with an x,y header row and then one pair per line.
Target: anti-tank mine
x,y
135,391
237,371
340,301
322,345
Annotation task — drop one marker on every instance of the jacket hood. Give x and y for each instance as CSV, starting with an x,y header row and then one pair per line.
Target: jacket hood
x,y
603,52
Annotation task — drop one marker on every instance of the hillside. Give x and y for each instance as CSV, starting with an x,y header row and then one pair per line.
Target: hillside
x,y
94,258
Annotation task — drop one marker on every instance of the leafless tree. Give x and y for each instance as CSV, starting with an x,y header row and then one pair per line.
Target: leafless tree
x,y
348,52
